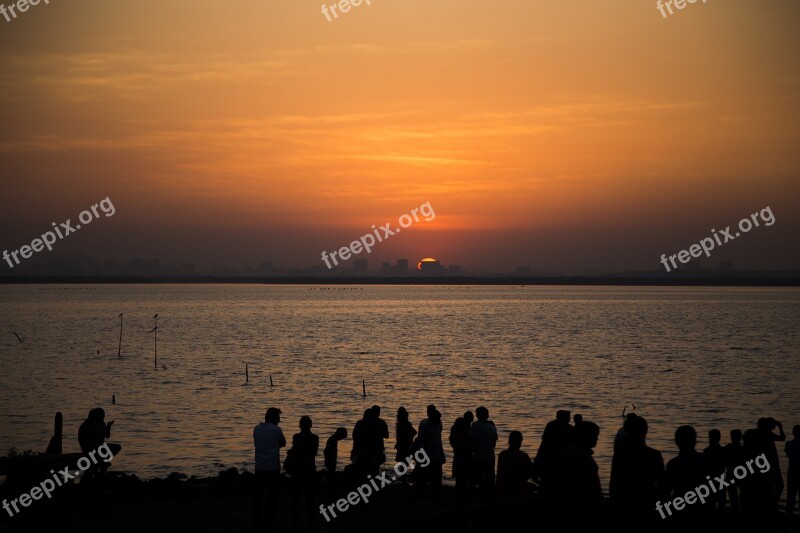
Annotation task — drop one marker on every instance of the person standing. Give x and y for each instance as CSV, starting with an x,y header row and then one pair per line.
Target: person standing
x,y
268,439
514,469
305,446
405,433
429,440
483,438
462,458
792,450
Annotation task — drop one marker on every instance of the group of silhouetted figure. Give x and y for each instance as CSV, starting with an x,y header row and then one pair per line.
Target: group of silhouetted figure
x,y
563,471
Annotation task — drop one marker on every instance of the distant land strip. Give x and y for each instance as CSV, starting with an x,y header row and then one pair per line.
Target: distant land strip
x,y
738,279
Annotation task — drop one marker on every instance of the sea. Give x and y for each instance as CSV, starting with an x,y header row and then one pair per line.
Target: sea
x,y
185,398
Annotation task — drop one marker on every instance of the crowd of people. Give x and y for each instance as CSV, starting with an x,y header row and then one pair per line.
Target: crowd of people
x,y
562,469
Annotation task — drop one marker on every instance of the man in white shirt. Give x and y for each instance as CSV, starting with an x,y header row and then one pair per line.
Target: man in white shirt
x,y
268,439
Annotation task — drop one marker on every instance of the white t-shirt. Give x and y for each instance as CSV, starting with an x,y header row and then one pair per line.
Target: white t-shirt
x,y
267,438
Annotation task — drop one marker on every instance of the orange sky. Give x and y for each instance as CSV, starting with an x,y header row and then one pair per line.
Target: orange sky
x,y
567,136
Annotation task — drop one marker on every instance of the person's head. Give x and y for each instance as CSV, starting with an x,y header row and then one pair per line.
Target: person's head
x,y
273,416
460,425
577,419
563,416
482,413
514,440
377,410
402,414
714,436
97,414
340,433
368,414
766,424
469,417
796,431
430,409
435,416
736,436
305,423
586,434
636,428
686,438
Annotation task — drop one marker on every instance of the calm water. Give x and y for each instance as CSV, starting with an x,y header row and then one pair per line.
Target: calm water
x,y
710,357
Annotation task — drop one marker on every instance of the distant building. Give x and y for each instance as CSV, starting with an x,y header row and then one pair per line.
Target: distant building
x,y
360,267
454,270
266,268
386,268
402,267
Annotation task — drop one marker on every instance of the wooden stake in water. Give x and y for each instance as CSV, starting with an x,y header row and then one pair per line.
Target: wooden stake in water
x,y
155,342
246,374
17,336
113,399
119,350
364,388
270,381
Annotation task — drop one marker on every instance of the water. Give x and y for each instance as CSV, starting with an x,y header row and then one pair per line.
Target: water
x,y
711,357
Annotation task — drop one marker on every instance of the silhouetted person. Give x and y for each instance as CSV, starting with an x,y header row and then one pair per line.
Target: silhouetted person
x,y
714,455
381,432
482,439
684,473
577,419
94,431
579,480
514,469
756,489
637,477
405,434
767,439
331,455
734,456
368,445
305,446
462,458
555,438
429,439
792,450
92,434
620,435
268,440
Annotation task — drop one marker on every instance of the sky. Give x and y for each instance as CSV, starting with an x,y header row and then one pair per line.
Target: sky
x,y
569,136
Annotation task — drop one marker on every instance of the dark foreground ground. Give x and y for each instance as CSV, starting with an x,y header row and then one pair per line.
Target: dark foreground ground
x,y
122,503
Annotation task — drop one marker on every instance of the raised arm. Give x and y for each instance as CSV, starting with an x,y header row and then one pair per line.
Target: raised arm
x,y
782,436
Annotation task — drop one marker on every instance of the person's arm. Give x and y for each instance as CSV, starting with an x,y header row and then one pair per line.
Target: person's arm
x,y
108,429
281,439
316,445
782,436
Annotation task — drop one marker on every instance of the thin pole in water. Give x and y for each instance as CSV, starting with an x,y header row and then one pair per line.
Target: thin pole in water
x,y
270,381
17,336
119,350
364,388
246,374
155,342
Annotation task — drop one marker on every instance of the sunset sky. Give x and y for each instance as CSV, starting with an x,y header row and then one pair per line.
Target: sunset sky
x,y
569,136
